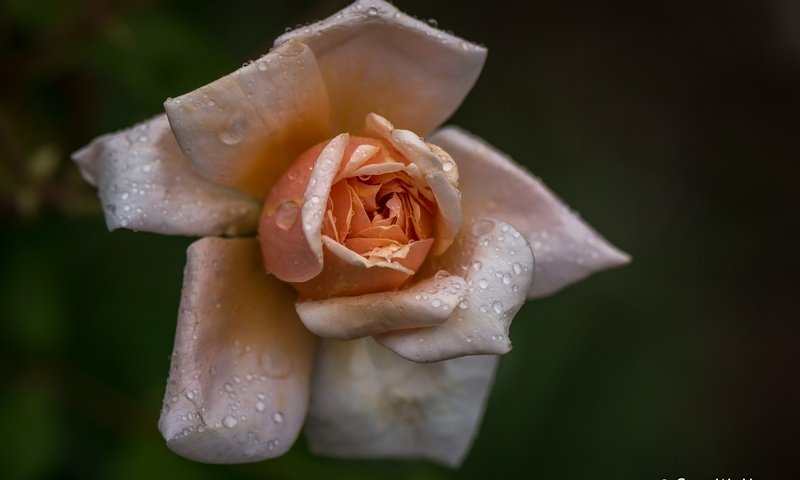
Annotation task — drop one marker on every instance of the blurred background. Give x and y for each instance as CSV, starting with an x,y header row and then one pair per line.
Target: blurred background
x,y
672,127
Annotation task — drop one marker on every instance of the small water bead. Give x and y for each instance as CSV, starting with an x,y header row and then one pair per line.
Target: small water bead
x,y
260,406
477,265
261,65
229,421
483,283
277,417
234,132
482,227
506,279
469,339
372,11
463,305
436,303
447,166
497,307
517,268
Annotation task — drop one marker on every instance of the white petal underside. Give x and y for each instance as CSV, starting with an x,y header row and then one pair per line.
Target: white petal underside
x,y
145,183
368,402
566,248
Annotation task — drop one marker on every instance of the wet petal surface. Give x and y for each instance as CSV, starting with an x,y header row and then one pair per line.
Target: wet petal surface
x,y
239,379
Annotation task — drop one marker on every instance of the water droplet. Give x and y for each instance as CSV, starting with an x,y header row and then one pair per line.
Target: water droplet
x,y
482,226
506,279
476,265
463,305
275,362
260,406
228,388
261,65
497,307
277,417
229,421
372,11
483,283
517,268
469,339
436,303
286,214
447,166
234,132
433,23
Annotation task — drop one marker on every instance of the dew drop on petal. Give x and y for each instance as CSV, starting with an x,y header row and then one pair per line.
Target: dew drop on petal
x,y
482,226
260,406
483,283
497,307
277,417
286,214
234,132
229,421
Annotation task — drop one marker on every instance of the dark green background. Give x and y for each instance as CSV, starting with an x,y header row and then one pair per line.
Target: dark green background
x,y
671,126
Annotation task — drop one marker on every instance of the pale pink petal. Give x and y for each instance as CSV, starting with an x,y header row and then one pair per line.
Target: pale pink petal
x,y
375,58
448,198
291,224
239,380
346,273
145,183
367,402
497,264
246,128
430,166
566,248
427,303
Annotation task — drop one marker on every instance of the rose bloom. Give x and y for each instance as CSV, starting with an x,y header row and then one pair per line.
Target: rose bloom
x,y
352,276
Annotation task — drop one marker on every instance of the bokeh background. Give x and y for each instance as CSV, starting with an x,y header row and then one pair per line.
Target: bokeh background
x,y
671,126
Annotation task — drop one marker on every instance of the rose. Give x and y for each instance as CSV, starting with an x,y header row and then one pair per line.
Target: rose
x,y
410,338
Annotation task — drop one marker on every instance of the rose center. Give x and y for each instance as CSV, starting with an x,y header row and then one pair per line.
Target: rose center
x,y
379,202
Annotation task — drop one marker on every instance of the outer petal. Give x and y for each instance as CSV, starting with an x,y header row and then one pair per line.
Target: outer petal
x,y
497,263
145,183
377,59
369,403
238,386
246,128
566,248
428,303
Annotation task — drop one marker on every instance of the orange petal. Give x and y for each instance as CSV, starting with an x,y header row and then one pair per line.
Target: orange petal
x,y
291,223
347,273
